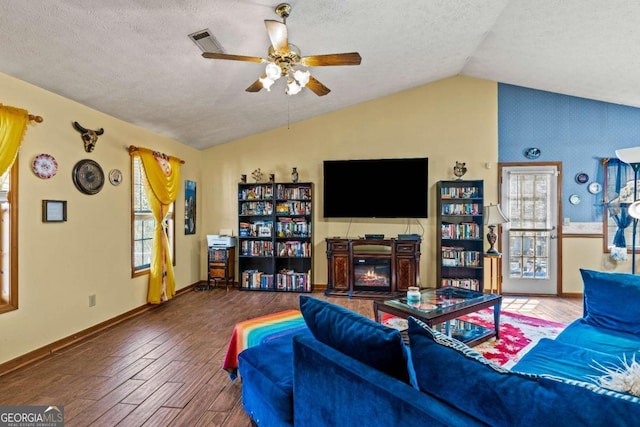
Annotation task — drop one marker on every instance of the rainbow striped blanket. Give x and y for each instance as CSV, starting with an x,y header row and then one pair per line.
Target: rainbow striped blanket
x,y
259,330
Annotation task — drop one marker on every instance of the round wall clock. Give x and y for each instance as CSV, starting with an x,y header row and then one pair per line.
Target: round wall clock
x,y
88,176
44,166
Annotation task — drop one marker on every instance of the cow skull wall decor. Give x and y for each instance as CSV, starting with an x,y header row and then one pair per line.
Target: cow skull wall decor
x,y
89,137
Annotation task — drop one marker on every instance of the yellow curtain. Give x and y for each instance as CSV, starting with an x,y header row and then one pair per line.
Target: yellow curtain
x,y
13,125
163,180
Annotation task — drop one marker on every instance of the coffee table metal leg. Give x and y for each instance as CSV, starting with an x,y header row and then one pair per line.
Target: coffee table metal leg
x,y
496,318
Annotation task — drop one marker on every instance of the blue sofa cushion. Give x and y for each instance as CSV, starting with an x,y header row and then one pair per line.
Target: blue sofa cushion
x,y
583,334
554,357
457,374
355,335
267,381
612,300
347,393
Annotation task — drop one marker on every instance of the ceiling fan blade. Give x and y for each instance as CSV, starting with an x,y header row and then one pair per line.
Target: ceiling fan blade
x,y
278,36
316,87
256,86
212,55
352,58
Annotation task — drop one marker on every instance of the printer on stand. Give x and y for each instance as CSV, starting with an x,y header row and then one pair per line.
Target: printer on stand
x,y
220,241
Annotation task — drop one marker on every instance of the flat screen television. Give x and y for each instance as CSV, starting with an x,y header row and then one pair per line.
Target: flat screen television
x,y
376,188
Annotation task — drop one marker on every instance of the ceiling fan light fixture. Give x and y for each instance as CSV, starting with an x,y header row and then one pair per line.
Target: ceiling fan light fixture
x,y
302,77
266,83
273,71
292,87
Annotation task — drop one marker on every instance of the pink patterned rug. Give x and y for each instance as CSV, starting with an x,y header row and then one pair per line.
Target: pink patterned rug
x,y
518,334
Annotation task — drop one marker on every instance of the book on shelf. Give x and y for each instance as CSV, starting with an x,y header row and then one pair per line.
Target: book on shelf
x,y
460,209
459,192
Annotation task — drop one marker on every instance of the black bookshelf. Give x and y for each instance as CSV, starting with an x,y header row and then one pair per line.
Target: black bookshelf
x,y
275,236
460,234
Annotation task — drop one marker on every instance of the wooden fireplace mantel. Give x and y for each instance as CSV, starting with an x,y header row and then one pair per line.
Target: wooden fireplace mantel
x,y
404,256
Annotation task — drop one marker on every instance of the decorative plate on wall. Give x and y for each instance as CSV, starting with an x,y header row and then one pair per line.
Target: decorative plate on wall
x,y
44,166
574,199
594,188
532,153
115,177
582,178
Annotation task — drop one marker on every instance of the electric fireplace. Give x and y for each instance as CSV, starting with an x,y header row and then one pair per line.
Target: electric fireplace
x,y
371,274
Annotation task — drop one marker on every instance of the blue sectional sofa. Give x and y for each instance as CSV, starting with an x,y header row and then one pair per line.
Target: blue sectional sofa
x,y
347,370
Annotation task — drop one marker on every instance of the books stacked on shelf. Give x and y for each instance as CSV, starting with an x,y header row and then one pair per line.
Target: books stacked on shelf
x,y
256,192
289,280
217,255
459,192
460,209
294,248
255,279
458,257
466,283
293,227
256,208
465,230
293,208
302,192
274,234
256,229
256,248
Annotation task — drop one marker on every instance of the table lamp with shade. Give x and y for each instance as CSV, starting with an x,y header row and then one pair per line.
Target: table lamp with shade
x,y
493,216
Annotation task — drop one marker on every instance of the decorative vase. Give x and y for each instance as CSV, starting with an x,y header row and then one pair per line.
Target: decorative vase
x,y
294,175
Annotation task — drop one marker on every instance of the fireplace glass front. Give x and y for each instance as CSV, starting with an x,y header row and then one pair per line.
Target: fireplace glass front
x,y
371,274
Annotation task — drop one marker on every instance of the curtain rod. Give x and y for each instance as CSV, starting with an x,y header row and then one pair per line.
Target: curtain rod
x,y
34,118
133,148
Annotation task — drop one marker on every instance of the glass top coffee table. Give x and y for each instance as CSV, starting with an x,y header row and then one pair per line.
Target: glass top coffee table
x,y
441,309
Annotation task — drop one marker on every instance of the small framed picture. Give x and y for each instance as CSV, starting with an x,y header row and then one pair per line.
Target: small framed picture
x,y
54,210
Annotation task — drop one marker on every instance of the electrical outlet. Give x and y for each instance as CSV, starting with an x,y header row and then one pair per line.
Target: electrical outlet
x,y
92,300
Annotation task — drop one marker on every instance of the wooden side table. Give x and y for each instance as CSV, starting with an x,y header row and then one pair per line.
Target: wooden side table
x,y
493,273
221,265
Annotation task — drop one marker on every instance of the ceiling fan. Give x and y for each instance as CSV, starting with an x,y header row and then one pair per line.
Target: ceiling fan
x,y
284,56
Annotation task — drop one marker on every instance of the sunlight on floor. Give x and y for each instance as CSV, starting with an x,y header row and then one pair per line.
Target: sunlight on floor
x,y
519,304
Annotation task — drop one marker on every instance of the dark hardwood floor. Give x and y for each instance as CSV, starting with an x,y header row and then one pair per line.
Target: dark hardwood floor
x,y
163,367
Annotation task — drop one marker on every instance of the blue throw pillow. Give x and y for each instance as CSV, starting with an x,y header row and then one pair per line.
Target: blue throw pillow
x,y
356,336
450,370
612,300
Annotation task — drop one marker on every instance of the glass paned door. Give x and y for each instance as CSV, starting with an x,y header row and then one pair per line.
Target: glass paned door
x,y
529,239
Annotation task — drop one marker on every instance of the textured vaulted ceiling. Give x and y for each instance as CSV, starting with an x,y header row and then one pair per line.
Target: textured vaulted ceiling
x,y
133,59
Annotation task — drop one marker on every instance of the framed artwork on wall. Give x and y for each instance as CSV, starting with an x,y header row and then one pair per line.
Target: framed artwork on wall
x,y
54,210
190,207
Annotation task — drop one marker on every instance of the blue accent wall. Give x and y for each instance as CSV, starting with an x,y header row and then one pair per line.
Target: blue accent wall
x,y
575,131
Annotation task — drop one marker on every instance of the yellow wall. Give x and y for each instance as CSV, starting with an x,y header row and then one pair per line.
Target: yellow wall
x,y
447,121
61,264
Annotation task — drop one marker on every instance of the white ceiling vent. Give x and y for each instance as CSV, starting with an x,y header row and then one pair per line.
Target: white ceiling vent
x,y
206,41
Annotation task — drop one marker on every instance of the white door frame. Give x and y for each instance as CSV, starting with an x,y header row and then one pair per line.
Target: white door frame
x,y
558,234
